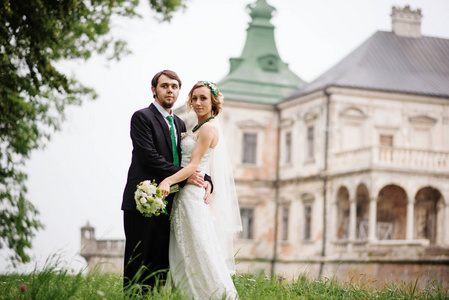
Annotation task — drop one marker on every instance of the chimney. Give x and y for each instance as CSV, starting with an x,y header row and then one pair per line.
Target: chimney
x,y
406,22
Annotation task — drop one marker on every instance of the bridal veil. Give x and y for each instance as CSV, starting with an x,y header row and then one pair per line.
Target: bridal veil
x,y
224,202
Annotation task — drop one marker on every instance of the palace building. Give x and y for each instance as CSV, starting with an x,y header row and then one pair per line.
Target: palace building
x,y
348,174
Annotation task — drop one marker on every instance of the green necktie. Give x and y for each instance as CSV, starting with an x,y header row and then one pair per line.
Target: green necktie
x,y
173,141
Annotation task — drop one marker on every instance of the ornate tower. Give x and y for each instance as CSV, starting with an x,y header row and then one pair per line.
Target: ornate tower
x,y
259,75
406,22
101,255
88,241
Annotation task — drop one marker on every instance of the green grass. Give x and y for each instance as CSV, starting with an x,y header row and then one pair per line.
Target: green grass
x,y
52,283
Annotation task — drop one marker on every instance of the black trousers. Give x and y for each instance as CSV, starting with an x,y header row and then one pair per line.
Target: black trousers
x,y
146,248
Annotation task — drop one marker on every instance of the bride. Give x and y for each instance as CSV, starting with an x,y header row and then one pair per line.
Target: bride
x,y
201,239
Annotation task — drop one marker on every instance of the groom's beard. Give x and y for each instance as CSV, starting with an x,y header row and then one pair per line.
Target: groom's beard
x,y
165,104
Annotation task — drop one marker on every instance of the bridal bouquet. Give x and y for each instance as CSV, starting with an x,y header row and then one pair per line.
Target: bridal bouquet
x,y
149,200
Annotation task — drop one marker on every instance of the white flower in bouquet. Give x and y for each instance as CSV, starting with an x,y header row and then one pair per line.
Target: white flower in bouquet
x,y
149,199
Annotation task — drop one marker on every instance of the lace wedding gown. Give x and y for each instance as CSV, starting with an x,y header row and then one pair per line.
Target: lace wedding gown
x,y
197,264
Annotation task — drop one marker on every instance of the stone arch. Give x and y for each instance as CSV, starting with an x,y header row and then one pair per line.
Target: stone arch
x,y
391,213
389,180
362,200
428,215
342,206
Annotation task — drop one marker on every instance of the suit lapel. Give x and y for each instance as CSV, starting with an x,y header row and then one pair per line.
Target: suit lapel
x,y
178,132
163,126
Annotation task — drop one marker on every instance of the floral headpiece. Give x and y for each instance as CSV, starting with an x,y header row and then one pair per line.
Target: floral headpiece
x,y
212,86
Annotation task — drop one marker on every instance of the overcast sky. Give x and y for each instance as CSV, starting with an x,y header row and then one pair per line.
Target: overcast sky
x,y
79,177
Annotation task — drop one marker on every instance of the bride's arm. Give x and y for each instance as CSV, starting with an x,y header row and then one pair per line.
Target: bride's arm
x,y
207,136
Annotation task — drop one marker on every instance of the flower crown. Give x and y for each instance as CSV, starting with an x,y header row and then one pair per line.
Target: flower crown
x,y
212,86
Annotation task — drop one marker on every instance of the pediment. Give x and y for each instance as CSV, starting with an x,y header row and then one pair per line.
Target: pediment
x,y
306,197
249,200
353,113
310,116
288,122
249,124
422,119
284,201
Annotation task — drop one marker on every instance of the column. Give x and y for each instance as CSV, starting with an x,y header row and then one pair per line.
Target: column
x,y
410,216
333,221
352,220
446,224
372,220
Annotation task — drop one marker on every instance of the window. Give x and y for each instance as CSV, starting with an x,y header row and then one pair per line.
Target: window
x,y
249,148
307,222
247,215
310,141
386,140
284,233
269,63
386,146
307,202
288,147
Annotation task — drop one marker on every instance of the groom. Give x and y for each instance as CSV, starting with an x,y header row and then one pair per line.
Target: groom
x,y
156,155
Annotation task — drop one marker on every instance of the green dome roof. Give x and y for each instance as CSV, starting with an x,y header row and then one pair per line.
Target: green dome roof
x,y
259,75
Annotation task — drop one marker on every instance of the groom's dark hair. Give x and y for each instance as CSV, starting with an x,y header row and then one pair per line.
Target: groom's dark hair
x,y
170,74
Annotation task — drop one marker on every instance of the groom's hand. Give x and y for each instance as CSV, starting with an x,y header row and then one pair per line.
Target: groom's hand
x,y
208,187
196,179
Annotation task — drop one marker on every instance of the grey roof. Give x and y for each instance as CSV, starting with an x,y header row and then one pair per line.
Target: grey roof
x,y
388,62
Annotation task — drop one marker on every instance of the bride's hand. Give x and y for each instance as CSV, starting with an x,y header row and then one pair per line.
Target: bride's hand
x,y
164,186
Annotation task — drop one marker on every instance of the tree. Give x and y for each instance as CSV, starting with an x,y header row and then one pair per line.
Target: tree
x,y
34,35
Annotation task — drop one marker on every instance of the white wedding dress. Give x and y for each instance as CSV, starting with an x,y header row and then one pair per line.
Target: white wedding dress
x,y
197,263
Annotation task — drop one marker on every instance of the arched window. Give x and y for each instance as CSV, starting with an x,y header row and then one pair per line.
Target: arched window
x,y
428,214
391,213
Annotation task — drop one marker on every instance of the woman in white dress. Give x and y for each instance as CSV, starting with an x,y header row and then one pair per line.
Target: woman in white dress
x,y
201,239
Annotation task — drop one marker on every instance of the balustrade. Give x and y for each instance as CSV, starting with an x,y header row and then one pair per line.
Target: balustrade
x,y
390,157
110,246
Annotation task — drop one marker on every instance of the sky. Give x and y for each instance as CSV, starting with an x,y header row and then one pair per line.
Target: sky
x,y
80,175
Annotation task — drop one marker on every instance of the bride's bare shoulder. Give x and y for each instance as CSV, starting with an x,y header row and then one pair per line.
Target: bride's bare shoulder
x,y
210,128
210,132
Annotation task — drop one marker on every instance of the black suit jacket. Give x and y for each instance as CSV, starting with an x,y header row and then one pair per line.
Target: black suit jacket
x,y
152,156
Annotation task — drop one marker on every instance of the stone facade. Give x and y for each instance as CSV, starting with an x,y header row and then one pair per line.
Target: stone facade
x,y
377,181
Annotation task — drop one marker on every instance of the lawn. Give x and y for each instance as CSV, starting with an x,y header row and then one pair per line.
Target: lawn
x,y
52,283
